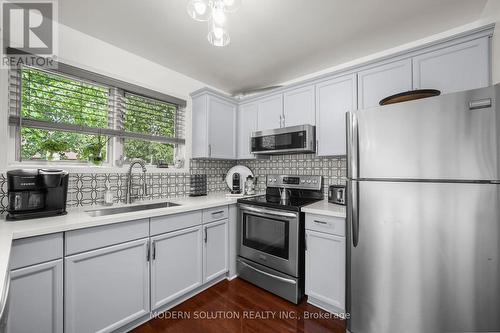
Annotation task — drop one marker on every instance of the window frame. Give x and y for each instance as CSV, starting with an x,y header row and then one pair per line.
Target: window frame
x,y
114,157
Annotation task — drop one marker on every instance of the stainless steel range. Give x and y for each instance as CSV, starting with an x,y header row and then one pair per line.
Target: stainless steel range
x,y
271,234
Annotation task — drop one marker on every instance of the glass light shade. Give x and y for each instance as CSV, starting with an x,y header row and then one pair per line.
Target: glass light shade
x,y
218,35
199,10
231,6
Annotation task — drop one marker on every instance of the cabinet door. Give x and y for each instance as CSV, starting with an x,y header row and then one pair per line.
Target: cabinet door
x,y
106,288
377,83
215,251
200,127
247,123
333,99
299,106
270,114
221,122
176,264
36,299
459,67
325,268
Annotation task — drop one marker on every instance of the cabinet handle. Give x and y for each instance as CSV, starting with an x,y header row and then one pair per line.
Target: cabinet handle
x,y
317,146
305,243
154,250
280,121
206,235
147,252
209,150
218,212
284,121
320,222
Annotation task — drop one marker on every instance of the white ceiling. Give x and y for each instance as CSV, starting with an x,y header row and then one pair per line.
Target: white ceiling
x,y
272,41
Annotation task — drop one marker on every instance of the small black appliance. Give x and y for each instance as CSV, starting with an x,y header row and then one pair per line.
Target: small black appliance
x,y
236,189
35,193
336,194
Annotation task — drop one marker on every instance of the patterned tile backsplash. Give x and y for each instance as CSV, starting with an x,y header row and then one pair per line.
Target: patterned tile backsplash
x,y
87,189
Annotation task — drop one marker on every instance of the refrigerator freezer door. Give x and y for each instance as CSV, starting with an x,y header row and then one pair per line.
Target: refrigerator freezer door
x,y
427,258
452,137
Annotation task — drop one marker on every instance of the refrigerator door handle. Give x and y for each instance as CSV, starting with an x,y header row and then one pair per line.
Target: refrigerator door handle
x,y
352,146
353,211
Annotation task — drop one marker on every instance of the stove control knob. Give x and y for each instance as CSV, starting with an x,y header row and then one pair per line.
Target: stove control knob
x,y
309,181
303,181
315,181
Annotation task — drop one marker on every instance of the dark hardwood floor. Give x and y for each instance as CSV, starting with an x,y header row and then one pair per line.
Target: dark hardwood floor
x,y
238,306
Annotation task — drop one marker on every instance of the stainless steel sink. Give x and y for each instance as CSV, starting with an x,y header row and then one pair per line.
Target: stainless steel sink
x,y
128,209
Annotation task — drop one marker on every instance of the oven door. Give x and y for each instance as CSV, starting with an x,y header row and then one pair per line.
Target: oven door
x,y
270,237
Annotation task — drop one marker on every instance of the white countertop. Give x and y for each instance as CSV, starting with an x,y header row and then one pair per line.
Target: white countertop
x,y
324,207
77,218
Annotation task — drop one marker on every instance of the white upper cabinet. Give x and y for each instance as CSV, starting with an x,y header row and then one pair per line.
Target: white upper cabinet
x,y
333,99
247,123
460,67
200,126
221,133
379,82
299,106
270,114
214,121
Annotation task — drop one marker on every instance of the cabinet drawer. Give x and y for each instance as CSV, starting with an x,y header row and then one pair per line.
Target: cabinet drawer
x,y
215,214
97,237
329,224
163,224
35,250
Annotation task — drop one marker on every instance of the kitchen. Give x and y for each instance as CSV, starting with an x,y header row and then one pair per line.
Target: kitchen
x,y
214,180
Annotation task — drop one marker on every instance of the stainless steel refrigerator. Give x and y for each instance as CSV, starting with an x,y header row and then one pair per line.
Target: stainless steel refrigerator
x,y
424,215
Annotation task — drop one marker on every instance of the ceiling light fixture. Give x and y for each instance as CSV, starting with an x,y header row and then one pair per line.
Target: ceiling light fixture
x,y
213,11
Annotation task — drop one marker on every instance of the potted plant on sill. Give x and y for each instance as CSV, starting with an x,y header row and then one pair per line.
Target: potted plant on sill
x,y
51,147
94,152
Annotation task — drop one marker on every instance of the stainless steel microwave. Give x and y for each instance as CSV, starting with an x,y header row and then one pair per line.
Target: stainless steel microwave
x,y
287,140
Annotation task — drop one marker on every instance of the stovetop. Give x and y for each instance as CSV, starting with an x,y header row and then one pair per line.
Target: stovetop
x,y
294,204
302,190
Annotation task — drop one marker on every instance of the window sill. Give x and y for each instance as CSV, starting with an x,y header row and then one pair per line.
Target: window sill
x,y
84,168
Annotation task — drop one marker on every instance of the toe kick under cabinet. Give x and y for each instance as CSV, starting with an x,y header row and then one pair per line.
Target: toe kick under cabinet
x,y
325,262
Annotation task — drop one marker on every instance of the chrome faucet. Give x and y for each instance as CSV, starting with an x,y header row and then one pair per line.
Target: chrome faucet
x,y
128,198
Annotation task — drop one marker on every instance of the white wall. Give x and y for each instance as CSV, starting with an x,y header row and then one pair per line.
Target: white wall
x,y
87,52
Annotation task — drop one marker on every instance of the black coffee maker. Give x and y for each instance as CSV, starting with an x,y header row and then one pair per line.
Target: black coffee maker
x,y
36,193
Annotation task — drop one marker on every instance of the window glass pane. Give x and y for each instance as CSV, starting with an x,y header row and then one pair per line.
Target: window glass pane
x,y
151,152
38,144
55,98
144,115
58,99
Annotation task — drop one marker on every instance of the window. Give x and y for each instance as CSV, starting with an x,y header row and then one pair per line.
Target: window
x,y
67,118
54,99
143,115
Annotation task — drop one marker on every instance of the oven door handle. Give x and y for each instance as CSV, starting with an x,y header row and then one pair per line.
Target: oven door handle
x,y
268,212
290,281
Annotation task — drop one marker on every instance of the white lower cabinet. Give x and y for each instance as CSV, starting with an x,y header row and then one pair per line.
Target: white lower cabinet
x,y
176,264
36,299
325,270
106,288
215,252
